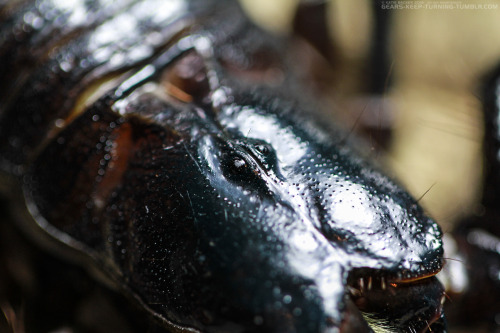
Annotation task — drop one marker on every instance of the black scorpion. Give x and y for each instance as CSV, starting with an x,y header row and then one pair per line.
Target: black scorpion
x,y
163,146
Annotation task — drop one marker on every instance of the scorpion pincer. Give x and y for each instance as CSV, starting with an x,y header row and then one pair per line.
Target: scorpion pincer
x,y
164,144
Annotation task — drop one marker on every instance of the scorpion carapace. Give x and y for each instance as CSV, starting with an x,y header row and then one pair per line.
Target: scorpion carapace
x,y
164,145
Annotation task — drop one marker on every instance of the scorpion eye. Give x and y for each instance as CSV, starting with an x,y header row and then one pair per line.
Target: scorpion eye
x,y
244,171
264,149
236,168
239,163
266,155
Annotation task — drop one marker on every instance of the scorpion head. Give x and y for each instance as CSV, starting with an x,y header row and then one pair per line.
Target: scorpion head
x,y
304,229
253,218
248,216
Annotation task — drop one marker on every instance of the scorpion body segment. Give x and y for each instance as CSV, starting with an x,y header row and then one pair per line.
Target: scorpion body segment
x,y
164,145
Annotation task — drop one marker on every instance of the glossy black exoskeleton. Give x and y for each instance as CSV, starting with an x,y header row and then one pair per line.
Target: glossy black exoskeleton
x,y
163,146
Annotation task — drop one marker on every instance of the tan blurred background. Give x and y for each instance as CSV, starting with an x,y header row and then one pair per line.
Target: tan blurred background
x,y
438,57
